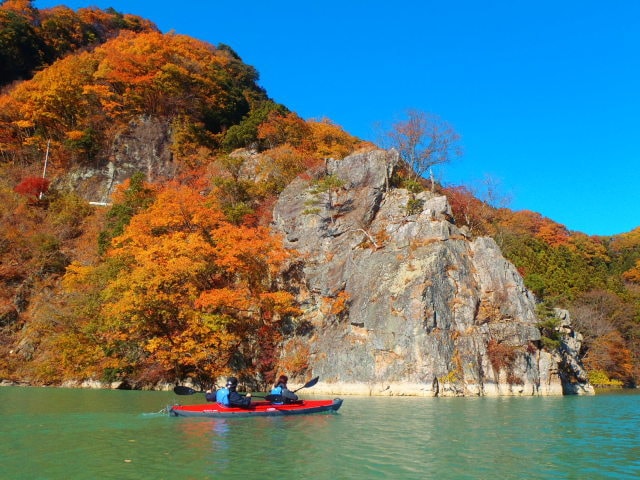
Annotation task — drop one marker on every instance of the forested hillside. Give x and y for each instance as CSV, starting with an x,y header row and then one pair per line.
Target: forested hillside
x,y
32,39
180,277
595,278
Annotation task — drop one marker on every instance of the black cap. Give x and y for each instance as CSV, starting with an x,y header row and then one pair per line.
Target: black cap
x,y
232,382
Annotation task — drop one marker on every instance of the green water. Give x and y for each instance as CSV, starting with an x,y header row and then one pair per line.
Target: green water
x,y
50,433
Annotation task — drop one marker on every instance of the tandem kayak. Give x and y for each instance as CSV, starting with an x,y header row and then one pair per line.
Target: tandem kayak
x,y
257,409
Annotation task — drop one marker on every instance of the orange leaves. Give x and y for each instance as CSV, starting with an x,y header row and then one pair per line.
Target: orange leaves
x,y
633,274
134,74
225,300
610,354
192,282
522,221
532,223
282,303
340,304
164,74
280,129
553,234
246,250
176,209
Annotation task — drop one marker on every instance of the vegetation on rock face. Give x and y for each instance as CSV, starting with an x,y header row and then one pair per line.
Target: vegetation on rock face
x,y
178,278
423,141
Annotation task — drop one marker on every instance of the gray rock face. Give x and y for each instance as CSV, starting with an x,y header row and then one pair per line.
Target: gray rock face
x,y
144,147
400,304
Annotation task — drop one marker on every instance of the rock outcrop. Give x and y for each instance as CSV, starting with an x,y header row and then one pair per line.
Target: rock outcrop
x,y
399,301
145,146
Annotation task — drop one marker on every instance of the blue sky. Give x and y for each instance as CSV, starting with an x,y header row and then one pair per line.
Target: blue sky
x,y
545,94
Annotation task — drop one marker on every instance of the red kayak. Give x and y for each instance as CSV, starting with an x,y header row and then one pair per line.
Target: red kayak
x,y
257,409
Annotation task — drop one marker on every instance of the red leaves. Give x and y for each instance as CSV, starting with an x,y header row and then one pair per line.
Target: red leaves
x,y
33,187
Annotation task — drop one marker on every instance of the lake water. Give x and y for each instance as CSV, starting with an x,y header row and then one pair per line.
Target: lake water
x,y
50,433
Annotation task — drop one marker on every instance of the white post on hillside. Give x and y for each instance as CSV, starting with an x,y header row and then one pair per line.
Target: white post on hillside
x,y
46,159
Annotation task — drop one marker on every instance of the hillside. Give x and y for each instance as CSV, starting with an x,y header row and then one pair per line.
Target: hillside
x,y
182,272
33,39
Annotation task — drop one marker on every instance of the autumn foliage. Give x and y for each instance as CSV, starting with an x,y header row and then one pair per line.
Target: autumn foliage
x,y
33,187
190,292
173,279
594,277
180,278
33,38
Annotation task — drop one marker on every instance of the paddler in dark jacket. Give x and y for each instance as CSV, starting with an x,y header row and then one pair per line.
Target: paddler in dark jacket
x,y
235,399
229,397
280,388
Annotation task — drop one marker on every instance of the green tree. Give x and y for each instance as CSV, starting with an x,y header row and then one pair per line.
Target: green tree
x,y
133,197
20,47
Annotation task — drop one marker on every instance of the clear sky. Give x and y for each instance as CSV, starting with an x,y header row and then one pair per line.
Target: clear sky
x,y
545,93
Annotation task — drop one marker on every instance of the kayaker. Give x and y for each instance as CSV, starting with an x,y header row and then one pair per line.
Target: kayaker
x,y
221,395
228,396
280,388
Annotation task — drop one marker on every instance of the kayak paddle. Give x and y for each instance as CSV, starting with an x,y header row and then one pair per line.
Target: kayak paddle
x,y
182,390
309,384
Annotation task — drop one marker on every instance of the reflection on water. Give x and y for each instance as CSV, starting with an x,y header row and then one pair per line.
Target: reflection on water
x,y
60,434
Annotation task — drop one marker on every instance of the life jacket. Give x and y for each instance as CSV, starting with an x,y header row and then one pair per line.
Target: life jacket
x,y
222,396
279,400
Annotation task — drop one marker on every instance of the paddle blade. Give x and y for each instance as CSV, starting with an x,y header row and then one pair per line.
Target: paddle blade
x,y
311,383
182,390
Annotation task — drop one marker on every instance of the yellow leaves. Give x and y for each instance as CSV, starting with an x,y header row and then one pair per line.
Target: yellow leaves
x,y
627,240
590,248
76,274
331,141
24,123
54,98
75,135
197,346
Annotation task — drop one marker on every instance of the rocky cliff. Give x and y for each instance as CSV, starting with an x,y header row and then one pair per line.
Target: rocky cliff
x,y
399,301
144,146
